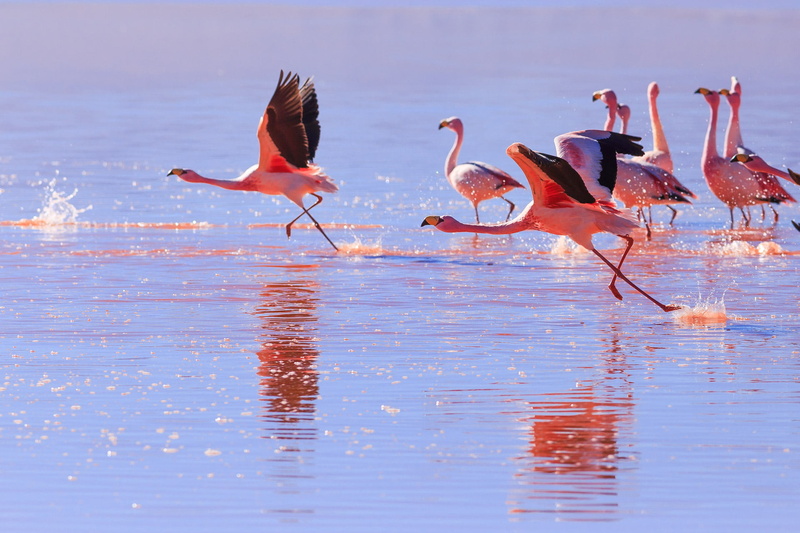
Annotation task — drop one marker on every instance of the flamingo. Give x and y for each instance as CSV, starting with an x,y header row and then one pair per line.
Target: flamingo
x,y
288,134
754,163
640,183
732,183
474,180
735,145
571,195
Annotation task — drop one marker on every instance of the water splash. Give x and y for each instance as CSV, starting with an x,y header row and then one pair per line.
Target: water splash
x,y
744,249
704,312
57,209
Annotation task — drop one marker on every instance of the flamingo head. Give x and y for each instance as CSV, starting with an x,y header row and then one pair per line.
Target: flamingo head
x,y
734,98
607,96
624,112
653,90
185,175
452,123
736,87
741,158
712,97
432,220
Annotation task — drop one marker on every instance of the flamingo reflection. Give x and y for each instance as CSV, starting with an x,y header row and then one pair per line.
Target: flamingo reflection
x,y
289,380
574,455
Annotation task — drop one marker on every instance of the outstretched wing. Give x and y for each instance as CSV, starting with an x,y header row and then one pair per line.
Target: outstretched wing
x,y
281,131
553,181
308,95
593,154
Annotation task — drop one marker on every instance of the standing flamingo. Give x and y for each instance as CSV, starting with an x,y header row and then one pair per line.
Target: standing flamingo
x,y
640,183
571,196
288,135
474,180
735,145
754,163
732,183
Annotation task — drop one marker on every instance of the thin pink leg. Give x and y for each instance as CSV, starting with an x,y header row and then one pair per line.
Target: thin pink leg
x,y
316,224
612,286
665,308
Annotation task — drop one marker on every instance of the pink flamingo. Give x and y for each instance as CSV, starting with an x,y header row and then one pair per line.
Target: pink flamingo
x,y
754,163
732,183
474,180
735,145
288,135
640,183
571,196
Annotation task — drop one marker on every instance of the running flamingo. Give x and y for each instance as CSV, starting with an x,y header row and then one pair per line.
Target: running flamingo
x,y
288,135
571,196
755,164
474,180
640,183
735,145
732,183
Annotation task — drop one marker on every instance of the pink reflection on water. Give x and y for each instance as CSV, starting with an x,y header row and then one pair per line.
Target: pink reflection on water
x,y
288,356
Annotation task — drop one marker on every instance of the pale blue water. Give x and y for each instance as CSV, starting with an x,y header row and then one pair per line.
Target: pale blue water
x,y
172,361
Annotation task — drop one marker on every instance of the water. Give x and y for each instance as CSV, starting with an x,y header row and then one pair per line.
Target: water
x,y
172,360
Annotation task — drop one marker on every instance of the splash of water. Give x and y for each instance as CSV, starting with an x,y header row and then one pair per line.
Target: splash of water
x,y
57,209
704,312
563,245
743,249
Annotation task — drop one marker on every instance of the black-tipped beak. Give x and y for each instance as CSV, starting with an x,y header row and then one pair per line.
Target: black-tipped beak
x,y
431,220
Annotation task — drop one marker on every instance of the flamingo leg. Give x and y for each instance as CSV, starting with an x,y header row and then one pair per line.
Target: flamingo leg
x,y
796,225
774,212
674,214
511,210
612,286
731,210
316,224
665,308
477,218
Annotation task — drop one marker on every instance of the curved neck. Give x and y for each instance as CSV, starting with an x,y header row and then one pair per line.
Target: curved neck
x,y
733,136
710,147
452,157
659,140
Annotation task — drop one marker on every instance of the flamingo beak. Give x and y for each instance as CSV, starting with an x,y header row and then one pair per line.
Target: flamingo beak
x,y
431,220
741,158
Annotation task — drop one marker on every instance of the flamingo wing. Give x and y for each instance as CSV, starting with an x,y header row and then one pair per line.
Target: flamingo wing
x,y
502,176
308,95
593,154
281,132
553,181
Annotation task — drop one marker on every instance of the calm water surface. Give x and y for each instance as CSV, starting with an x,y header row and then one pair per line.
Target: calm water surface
x,y
172,361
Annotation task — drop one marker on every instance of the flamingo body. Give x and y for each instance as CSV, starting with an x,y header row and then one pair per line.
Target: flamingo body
x,y
288,134
475,181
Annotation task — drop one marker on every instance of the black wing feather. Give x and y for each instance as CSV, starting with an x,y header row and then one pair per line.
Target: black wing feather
x,y
308,95
615,143
285,121
561,172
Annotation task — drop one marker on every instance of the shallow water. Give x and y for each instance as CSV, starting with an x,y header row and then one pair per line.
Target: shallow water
x,y
173,361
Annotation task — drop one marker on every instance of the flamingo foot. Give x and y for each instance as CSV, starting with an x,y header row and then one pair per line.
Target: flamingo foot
x,y
615,292
288,230
670,308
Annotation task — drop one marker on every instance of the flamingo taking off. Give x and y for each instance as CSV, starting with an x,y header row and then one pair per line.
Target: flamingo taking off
x,y
474,180
735,145
288,135
641,183
732,183
754,163
571,196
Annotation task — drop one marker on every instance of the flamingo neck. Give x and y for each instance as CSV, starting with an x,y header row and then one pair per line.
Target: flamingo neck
x,y
452,157
733,136
451,225
238,184
611,118
659,139
710,147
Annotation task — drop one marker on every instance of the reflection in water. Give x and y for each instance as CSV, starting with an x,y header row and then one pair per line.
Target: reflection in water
x,y
574,458
289,380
